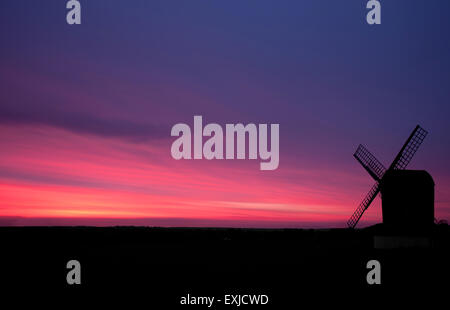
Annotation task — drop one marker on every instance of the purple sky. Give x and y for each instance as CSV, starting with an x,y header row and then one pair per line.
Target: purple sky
x,y
132,71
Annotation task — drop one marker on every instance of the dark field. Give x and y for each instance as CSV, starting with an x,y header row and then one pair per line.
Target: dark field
x,y
159,265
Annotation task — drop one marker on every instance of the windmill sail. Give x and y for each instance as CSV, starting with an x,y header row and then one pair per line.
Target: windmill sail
x,y
369,162
354,219
409,148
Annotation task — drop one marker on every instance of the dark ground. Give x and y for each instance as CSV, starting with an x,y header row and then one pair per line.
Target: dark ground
x,y
157,266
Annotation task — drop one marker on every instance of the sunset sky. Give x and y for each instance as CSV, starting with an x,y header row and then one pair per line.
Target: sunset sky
x,y
86,110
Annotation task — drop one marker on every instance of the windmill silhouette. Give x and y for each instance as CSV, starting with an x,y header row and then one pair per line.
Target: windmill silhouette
x,y
377,171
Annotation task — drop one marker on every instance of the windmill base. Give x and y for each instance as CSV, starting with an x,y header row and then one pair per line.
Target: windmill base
x,y
395,242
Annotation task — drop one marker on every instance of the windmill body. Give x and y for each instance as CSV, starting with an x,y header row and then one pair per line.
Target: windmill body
x,y
407,200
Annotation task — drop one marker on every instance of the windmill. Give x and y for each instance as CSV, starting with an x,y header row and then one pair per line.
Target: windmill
x,y
376,169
